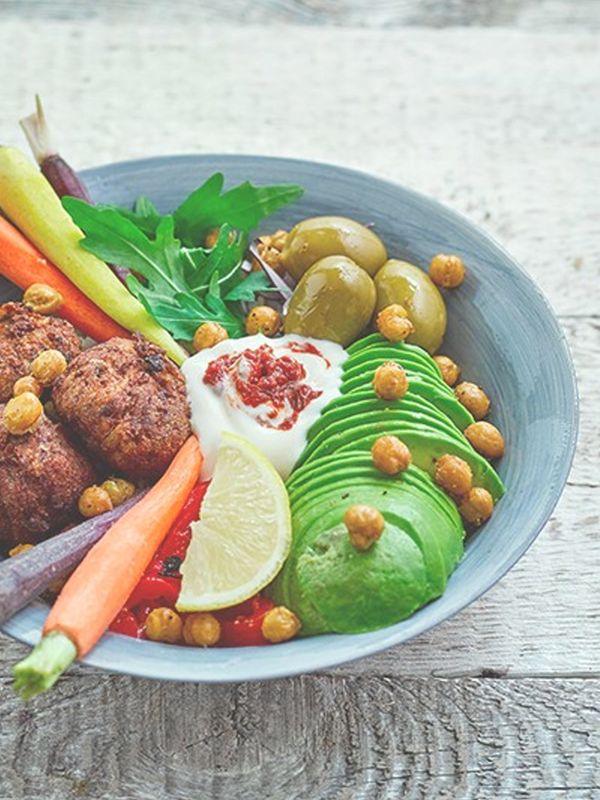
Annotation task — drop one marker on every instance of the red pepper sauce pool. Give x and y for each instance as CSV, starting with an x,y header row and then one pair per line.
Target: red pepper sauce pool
x,y
259,378
159,587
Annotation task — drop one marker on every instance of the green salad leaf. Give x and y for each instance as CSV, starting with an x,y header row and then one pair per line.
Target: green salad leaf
x,y
243,207
181,288
180,281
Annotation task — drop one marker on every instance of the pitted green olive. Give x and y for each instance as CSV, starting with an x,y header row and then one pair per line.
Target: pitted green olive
x,y
401,282
316,238
334,300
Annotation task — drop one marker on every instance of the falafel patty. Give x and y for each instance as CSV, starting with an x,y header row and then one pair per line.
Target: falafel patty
x,y
127,402
23,335
41,478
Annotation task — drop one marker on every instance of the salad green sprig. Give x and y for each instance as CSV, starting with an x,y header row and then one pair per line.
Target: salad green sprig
x,y
179,280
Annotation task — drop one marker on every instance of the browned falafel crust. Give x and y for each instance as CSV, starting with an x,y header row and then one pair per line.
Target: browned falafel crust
x,y
41,477
127,402
23,335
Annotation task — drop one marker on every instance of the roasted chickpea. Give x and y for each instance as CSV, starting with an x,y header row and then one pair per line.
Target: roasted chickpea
x,y
208,335
164,625
47,366
19,548
393,323
93,501
119,490
280,624
390,455
263,319
22,414
447,271
278,239
390,381
473,398
453,475
42,299
27,384
477,506
449,369
365,525
201,630
486,439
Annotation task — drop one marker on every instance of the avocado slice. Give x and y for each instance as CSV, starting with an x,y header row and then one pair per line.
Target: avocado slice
x,y
381,354
418,385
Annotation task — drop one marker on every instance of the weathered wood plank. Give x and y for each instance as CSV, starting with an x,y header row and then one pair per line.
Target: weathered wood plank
x,y
322,737
521,14
515,150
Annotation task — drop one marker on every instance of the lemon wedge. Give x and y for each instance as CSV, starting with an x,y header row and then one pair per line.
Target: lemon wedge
x,y
244,534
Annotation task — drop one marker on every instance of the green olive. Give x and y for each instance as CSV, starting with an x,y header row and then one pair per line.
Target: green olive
x,y
316,238
334,300
401,282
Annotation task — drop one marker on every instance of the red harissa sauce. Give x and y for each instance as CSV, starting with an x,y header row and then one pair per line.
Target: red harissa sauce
x,y
256,377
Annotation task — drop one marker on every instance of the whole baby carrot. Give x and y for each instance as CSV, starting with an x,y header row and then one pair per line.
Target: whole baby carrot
x,y
23,264
101,584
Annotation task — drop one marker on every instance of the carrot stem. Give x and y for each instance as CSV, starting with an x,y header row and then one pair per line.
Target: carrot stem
x,y
45,664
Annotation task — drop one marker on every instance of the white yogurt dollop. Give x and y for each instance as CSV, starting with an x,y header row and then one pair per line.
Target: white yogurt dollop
x,y
277,429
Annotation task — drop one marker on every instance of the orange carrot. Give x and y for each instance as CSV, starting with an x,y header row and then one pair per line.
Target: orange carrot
x,y
101,584
23,264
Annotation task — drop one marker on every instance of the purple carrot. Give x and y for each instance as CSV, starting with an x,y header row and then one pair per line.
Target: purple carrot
x,y
24,577
60,175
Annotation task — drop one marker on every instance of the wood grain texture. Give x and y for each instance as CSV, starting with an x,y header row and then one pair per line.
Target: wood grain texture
x,y
375,738
533,15
502,701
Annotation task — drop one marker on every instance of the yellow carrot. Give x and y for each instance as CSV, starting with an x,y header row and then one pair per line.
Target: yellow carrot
x,y
30,202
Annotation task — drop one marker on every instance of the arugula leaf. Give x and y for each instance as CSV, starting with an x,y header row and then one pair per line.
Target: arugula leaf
x,y
170,290
144,214
255,283
242,207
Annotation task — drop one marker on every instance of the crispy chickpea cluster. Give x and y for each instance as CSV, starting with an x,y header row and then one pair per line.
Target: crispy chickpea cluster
x,y
164,625
393,323
473,398
201,630
390,455
279,625
48,366
23,413
269,248
390,381
118,489
94,501
263,319
447,271
449,369
208,335
365,525
42,299
453,475
27,384
486,439
476,506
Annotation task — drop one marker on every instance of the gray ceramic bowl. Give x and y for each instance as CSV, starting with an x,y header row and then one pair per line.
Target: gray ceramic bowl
x,y
501,329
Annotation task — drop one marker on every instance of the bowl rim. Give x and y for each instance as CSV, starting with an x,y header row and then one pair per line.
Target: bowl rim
x,y
25,625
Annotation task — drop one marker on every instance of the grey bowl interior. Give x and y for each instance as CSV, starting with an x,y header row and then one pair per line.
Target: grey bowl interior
x,y
501,330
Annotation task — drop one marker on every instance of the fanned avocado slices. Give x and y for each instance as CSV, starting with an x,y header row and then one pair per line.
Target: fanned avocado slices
x,y
332,586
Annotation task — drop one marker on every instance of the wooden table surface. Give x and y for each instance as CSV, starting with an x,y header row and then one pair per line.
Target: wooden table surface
x,y
494,108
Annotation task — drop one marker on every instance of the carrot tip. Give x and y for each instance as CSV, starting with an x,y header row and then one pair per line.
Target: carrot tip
x,y
44,665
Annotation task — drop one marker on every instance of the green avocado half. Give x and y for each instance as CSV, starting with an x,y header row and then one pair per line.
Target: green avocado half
x,y
326,581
